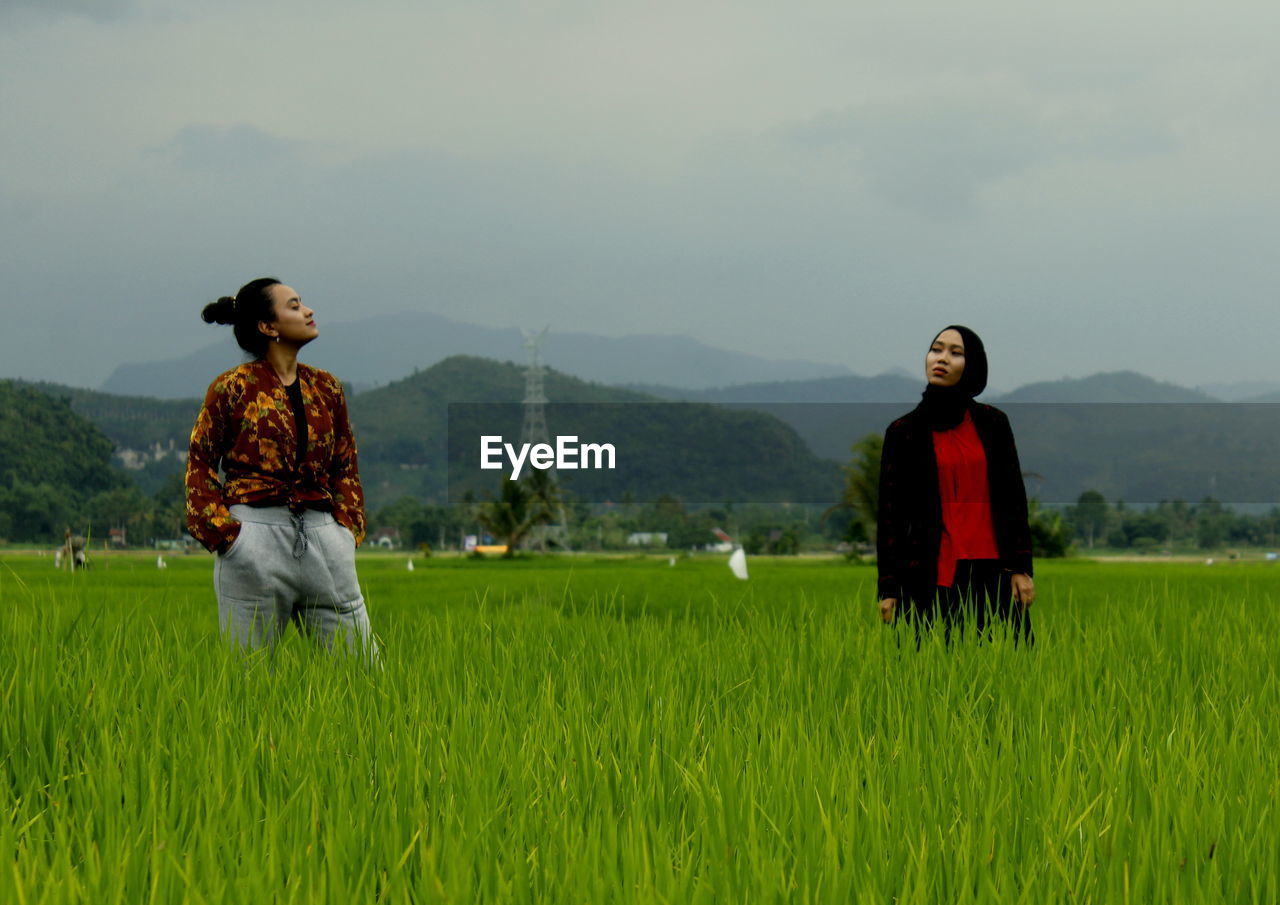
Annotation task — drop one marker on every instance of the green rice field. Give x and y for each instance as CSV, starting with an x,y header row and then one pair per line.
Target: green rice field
x,y
582,730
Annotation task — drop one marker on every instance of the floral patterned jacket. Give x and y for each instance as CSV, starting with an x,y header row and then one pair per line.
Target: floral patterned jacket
x,y
247,426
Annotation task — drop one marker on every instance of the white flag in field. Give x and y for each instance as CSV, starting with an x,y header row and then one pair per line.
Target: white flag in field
x,y
738,564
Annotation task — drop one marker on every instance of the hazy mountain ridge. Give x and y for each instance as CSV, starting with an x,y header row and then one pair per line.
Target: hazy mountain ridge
x,y
1110,386
842,389
1244,391
411,342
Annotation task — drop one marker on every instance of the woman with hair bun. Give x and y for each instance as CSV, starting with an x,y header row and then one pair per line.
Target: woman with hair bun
x,y
953,541
286,521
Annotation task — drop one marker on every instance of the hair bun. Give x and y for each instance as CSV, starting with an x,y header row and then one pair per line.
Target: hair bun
x,y
223,311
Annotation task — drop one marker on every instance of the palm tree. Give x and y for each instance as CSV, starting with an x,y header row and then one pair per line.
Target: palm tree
x,y
546,492
523,504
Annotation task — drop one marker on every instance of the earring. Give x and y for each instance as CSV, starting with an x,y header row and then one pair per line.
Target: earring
x,y
276,338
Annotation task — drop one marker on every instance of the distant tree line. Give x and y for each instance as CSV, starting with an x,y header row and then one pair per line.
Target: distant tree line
x,y
1207,525
859,504
511,514
1091,523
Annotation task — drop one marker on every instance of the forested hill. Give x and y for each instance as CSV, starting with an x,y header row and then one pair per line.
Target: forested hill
x,y
51,461
150,436
403,428
134,422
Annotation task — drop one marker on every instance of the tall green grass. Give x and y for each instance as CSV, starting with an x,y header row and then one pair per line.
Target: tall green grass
x,y
626,731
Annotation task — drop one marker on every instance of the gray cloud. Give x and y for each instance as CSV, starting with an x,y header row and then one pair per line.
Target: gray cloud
x,y
933,161
760,255
30,11
934,155
231,149
823,184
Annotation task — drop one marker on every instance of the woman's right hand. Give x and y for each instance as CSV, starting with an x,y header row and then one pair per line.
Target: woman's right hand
x,y
230,533
886,608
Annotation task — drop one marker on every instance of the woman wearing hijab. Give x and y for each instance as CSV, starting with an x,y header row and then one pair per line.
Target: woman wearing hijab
x,y
953,538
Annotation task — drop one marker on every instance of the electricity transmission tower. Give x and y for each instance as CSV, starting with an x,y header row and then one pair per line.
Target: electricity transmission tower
x,y
535,394
534,430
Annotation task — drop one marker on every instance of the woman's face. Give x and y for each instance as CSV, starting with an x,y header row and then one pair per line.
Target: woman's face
x,y
944,365
295,323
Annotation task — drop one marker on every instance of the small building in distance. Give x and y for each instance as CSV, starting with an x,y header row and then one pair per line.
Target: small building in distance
x,y
186,544
647,539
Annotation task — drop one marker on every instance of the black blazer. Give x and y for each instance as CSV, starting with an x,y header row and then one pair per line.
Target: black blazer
x,y
909,532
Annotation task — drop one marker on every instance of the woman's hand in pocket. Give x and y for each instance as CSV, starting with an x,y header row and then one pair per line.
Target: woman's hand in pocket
x,y
232,532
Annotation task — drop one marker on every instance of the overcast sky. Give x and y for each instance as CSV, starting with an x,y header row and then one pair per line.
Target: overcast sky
x,y
1091,186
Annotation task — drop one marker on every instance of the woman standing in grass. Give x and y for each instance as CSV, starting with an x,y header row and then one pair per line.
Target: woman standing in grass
x,y
953,539
287,520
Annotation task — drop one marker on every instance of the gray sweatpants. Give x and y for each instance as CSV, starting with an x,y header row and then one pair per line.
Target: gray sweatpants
x,y
285,567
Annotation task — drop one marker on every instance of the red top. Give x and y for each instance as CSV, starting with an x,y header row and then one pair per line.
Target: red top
x,y
967,531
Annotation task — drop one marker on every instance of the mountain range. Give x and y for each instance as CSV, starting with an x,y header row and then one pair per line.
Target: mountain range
x,y
664,366
1122,433
409,342
1115,386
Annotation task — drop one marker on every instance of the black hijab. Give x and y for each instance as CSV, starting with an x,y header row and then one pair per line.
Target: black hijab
x,y
943,407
